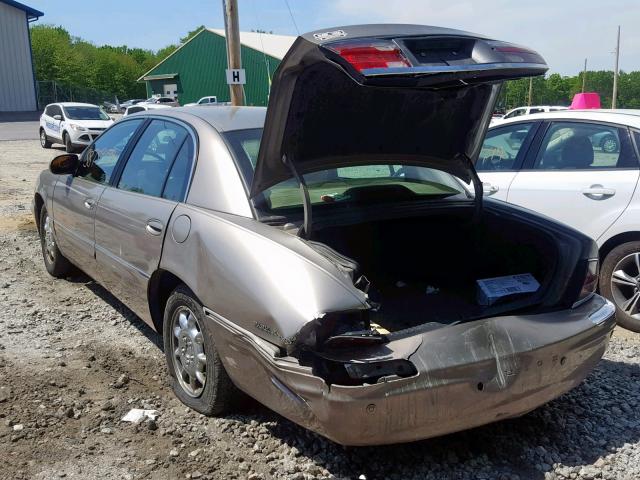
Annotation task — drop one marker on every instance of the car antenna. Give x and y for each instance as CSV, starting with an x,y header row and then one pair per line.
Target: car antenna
x,y
305,230
477,187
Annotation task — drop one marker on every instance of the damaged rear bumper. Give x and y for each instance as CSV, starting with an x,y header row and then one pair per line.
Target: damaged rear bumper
x,y
467,375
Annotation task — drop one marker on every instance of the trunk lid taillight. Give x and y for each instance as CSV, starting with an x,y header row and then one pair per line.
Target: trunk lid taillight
x,y
366,54
590,283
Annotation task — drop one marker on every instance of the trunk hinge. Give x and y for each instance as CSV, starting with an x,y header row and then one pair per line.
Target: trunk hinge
x,y
477,188
305,230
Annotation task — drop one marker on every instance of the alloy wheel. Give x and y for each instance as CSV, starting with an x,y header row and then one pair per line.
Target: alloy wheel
x,y
189,356
49,241
625,285
43,138
610,145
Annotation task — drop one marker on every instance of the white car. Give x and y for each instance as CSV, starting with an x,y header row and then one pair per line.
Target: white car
x,y
74,125
141,107
213,100
167,101
517,112
582,168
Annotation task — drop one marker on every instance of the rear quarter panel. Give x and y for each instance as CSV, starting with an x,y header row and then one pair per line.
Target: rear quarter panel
x,y
260,278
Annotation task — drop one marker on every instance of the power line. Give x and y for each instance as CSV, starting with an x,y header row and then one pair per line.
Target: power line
x,y
286,2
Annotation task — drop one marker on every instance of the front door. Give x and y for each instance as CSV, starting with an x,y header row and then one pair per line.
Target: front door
x,y
501,156
75,197
133,214
52,124
584,175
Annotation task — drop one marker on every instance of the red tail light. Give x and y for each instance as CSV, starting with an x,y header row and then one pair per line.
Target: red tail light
x,y
590,282
363,55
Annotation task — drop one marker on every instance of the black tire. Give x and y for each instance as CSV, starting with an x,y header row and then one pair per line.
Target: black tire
x,y
218,395
611,262
44,140
56,264
68,146
609,144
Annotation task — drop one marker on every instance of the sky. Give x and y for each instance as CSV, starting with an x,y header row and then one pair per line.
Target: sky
x,y
565,32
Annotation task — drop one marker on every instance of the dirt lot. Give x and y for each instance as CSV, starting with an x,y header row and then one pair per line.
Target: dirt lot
x,y
73,361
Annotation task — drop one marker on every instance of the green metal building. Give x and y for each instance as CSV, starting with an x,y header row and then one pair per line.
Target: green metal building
x,y
197,68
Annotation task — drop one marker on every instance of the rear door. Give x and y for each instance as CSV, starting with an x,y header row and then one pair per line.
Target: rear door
x,y
583,174
503,151
75,197
133,213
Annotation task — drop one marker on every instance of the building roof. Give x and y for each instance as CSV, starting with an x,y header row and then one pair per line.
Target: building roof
x,y
274,45
32,13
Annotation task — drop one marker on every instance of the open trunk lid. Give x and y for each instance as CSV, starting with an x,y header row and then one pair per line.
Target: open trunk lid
x,y
401,94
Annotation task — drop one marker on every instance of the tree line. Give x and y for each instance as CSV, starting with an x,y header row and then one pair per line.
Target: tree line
x,y
70,60
556,89
64,58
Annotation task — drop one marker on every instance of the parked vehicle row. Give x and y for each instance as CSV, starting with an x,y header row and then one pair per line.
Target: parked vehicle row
x,y
530,110
580,168
329,265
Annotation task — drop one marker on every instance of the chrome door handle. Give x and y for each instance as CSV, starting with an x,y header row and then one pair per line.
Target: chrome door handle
x,y
154,227
89,203
598,192
488,189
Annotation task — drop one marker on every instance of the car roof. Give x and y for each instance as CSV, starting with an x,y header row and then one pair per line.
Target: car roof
x,y
74,104
222,118
628,117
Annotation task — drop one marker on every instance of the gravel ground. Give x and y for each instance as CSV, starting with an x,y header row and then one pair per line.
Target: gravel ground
x,y
73,361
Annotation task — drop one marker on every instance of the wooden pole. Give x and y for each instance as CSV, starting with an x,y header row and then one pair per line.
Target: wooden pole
x,y
530,90
232,34
584,75
615,73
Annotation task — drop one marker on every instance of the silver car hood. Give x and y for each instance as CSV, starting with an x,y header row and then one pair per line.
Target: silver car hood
x,y
325,111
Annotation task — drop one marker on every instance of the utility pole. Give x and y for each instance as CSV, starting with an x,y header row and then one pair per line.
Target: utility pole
x,y
530,90
584,75
615,73
232,34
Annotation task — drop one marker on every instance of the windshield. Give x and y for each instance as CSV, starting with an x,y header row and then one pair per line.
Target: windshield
x,y
85,113
349,184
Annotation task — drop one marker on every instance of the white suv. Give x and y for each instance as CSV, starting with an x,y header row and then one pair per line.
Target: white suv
x,y
74,125
582,168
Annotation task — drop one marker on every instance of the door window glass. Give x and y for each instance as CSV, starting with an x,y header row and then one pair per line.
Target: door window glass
x,y
152,157
536,110
584,146
178,179
501,147
99,160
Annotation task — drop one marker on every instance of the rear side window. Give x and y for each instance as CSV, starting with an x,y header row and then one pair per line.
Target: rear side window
x,y
99,160
585,146
152,157
502,147
180,173
515,113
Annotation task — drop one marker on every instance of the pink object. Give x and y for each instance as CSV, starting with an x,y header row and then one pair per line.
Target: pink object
x,y
583,101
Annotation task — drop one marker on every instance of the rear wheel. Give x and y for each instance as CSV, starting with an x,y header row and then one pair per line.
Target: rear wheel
x,y
56,264
620,283
44,141
198,377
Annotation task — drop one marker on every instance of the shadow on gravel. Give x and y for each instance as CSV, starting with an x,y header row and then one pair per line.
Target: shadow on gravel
x,y
107,297
575,431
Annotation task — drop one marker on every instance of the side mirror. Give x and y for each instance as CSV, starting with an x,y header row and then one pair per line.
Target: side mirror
x,y
65,164
57,117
